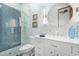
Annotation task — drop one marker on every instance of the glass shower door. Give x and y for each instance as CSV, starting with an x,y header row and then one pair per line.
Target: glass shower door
x,y
10,30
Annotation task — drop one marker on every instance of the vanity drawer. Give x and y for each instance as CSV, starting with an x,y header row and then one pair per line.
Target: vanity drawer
x,y
61,48
38,40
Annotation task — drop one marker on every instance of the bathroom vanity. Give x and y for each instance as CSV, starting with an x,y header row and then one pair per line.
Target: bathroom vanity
x,y
60,17
55,46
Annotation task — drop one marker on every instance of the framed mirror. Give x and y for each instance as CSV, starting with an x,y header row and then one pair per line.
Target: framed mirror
x,y
59,14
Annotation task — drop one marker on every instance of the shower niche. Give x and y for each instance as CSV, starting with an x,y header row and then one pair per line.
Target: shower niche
x,y
10,30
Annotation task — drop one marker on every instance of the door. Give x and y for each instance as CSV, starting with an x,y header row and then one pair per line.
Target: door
x,y
10,35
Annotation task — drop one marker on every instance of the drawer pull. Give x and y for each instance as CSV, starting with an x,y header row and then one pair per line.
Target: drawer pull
x,y
71,50
51,52
39,48
77,51
57,54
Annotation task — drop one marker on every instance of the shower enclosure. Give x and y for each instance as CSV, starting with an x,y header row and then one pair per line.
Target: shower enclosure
x,y
10,30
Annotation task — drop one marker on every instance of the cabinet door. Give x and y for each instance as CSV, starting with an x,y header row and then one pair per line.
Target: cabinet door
x,y
58,53
10,30
39,46
61,48
65,49
75,50
39,51
61,52
51,51
48,49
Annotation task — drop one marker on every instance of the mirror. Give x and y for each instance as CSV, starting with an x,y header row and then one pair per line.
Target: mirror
x,y
59,14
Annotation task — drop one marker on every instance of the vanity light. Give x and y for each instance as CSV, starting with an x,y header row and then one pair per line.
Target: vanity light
x,y
44,16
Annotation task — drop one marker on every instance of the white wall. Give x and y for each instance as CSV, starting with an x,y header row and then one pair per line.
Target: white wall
x,y
48,29
38,8
41,27
27,11
30,9
14,5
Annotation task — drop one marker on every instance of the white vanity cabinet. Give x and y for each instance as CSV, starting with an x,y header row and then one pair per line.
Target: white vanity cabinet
x,y
60,48
50,47
39,46
67,49
75,50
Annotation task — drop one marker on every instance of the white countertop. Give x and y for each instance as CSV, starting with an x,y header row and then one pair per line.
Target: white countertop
x,y
58,38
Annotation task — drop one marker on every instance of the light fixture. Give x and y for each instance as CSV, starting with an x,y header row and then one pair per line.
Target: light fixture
x,y
44,16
